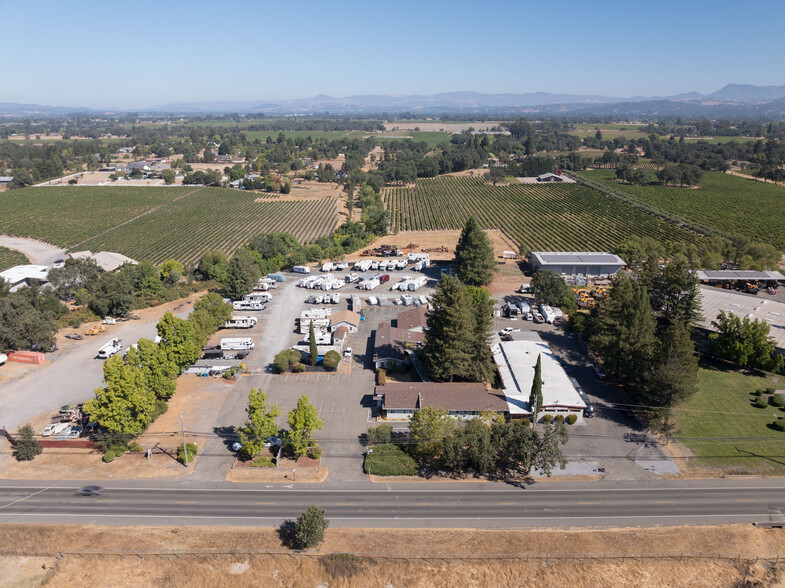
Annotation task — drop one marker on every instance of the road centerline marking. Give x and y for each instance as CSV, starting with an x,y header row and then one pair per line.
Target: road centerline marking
x,y
588,503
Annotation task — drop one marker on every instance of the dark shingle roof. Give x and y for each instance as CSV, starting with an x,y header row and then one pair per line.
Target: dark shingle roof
x,y
451,396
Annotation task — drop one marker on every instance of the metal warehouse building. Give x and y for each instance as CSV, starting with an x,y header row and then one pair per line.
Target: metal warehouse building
x,y
573,263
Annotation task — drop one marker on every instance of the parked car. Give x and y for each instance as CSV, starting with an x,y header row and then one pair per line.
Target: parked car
x,y
74,432
506,331
44,348
529,316
74,336
347,352
237,446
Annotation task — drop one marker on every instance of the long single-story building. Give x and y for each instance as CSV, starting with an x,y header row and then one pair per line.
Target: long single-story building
x,y
713,300
461,400
516,361
106,260
23,275
723,276
573,263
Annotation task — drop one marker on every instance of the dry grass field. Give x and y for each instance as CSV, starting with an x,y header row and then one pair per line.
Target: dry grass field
x,y
36,546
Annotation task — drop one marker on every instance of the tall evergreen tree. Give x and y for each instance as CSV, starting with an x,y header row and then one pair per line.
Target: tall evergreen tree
x,y
449,332
241,275
535,398
676,293
623,330
483,366
312,349
674,375
474,255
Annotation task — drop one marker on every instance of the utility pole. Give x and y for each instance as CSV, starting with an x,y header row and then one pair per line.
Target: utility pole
x,y
185,448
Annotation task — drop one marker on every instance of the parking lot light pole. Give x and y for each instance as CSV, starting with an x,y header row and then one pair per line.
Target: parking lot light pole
x,y
185,448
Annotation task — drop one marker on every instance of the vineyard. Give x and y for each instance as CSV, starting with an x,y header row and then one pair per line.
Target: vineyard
x,y
569,217
214,218
10,258
66,215
729,203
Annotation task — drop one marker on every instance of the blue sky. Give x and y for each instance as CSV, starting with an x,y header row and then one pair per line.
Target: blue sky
x,y
142,54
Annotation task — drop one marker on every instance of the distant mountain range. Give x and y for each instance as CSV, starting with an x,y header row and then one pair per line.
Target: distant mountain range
x,y
734,100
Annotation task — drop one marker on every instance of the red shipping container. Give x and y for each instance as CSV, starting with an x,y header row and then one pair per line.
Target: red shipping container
x,y
34,357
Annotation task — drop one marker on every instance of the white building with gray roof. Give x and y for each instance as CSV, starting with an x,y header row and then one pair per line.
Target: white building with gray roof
x,y
574,263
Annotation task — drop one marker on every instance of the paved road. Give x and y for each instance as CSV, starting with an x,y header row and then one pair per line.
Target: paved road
x,y
422,505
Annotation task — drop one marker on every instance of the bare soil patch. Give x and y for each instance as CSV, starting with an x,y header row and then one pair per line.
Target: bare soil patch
x,y
436,126
433,239
201,398
250,570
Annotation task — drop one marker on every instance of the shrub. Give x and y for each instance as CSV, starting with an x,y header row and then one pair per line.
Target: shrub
x,y
547,418
381,376
262,462
390,460
758,392
192,448
777,400
380,434
761,403
298,368
526,422
779,424
572,419
310,526
559,418
285,359
27,448
229,374
109,455
314,452
134,447
770,390
331,360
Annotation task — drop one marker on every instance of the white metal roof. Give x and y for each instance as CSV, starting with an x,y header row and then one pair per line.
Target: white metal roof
x,y
713,300
516,361
737,275
19,273
546,258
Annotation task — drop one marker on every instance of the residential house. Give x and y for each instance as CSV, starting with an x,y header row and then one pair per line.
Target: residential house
x,y
345,318
461,400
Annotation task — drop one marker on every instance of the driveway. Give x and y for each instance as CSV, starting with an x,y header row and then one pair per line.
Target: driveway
x,y
38,252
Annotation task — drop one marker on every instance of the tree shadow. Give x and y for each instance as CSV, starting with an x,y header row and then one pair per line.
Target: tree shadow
x,y
228,435
286,533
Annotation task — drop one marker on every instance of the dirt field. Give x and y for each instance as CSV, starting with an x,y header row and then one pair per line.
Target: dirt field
x,y
36,542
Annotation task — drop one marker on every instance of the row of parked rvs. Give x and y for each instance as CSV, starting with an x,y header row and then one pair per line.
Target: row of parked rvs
x,y
326,282
374,281
410,284
324,298
329,266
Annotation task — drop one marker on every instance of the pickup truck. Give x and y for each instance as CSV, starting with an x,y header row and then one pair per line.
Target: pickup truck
x,y
109,349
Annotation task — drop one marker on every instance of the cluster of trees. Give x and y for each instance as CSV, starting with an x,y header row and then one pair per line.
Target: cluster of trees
x,y
712,253
486,444
28,317
261,424
642,333
683,174
268,183
138,386
745,342
36,163
375,218
210,177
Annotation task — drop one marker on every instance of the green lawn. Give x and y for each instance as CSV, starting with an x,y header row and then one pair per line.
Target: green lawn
x,y
433,138
714,423
315,135
729,203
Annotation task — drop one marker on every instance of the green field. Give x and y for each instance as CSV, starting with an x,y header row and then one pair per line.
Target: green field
x,y
729,203
214,218
569,217
433,138
67,215
11,257
315,135
724,430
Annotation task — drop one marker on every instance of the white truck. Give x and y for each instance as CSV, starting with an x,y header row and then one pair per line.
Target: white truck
x,y
248,305
301,269
384,263
108,350
236,343
547,313
240,322
417,283
420,265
